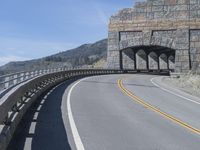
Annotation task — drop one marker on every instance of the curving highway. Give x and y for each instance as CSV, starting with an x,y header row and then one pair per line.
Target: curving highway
x,y
111,112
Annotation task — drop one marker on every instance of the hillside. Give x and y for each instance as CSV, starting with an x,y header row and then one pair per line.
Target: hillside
x,y
87,54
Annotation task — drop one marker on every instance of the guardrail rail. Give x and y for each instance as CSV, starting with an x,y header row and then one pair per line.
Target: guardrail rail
x,y
10,80
27,88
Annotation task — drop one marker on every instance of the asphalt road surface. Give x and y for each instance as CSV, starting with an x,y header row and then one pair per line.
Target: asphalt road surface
x,y
96,113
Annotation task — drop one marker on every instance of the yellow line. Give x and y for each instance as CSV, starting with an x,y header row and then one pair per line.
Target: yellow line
x,y
149,106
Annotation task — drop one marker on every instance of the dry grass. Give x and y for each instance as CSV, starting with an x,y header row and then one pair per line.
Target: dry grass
x,y
100,64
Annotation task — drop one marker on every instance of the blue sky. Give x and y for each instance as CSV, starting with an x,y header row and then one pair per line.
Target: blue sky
x,y
36,28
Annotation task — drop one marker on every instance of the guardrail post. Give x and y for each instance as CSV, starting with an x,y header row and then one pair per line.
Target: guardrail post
x,y
21,100
47,71
11,80
36,73
42,72
32,74
18,78
26,95
21,77
15,108
6,119
26,75
6,85
15,79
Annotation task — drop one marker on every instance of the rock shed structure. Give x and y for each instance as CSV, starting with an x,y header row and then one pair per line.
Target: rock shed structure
x,y
156,35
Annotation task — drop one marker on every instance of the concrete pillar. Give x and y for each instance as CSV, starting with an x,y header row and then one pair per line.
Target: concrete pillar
x,y
163,61
147,60
167,62
120,60
171,62
182,58
113,54
153,61
113,59
141,60
135,61
128,59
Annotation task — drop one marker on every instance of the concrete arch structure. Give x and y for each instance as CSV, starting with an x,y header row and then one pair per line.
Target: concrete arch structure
x,y
148,58
158,24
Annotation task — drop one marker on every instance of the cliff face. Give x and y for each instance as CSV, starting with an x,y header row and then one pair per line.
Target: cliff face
x,y
87,54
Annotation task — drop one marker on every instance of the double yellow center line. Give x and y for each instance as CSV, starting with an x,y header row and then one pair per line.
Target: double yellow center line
x,y
151,107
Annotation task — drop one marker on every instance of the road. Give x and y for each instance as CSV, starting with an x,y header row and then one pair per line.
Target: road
x,y
96,114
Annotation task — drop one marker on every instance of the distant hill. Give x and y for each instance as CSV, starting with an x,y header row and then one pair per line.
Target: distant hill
x,y
87,54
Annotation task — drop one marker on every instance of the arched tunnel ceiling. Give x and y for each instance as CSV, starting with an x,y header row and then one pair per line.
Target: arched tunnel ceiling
x,y
156,49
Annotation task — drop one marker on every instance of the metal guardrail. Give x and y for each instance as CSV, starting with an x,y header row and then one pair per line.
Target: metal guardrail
x,y
15,103
10,80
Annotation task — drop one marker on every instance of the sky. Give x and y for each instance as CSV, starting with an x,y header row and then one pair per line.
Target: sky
x,y
32,29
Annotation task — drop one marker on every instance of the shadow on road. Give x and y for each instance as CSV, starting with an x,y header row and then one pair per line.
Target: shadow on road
x,y
42,127
91,81
115,83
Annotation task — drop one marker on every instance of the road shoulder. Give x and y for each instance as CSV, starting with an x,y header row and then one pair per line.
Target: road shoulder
x,y
166,84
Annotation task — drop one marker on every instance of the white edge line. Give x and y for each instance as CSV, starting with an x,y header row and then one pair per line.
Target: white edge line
x,y
76,136
188,99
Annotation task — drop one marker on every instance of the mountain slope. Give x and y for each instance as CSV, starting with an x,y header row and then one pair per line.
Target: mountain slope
x,y
87,54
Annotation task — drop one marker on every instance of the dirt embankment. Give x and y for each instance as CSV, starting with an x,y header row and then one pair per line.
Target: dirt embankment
x,y
189,83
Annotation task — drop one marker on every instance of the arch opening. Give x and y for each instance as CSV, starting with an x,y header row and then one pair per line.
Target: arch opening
x,y
148,58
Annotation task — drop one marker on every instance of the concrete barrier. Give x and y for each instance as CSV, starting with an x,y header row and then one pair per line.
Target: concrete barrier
x,y
15,103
